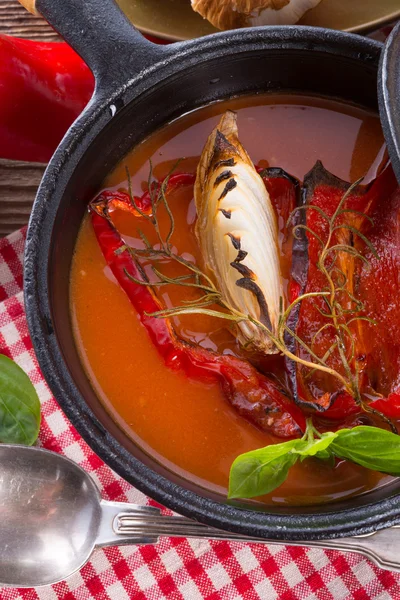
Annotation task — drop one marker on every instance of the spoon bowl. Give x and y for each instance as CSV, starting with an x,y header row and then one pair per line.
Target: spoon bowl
x,y
52,516
50,527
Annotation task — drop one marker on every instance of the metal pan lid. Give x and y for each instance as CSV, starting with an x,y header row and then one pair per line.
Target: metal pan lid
x,y
389,96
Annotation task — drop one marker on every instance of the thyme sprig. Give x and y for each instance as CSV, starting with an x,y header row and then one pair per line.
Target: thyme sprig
x,y
210,301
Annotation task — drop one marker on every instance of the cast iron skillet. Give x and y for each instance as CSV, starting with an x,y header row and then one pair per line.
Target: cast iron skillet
x,y
139,88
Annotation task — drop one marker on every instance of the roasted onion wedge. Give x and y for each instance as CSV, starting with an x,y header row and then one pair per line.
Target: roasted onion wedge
x,y
238,233
230,14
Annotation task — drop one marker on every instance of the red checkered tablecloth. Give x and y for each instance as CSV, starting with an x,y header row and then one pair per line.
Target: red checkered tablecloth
x,y
175,569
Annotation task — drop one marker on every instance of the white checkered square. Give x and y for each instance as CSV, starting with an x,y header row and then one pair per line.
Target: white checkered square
x,y
25,361
266,590
190,591
135,496
317,558
6,276
144,577
57,423
364,573
116,590
45,593
75,582
171,561
219,576
128,551
246,559
74,452
100,562
292,574
275,549
43,391
384,596
199,547
338,589
10,334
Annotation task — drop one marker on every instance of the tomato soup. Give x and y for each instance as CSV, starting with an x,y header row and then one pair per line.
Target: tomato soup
x,y
188,425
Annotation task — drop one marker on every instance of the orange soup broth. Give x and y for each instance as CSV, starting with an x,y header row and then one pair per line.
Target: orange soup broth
x,y
186,424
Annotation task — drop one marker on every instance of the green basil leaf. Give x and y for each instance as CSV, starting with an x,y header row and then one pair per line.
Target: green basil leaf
x,y
312,447
370,447
260,471
327,456
324,455
19,405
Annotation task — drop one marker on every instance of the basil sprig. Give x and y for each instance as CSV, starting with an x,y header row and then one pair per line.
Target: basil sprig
x,y
261,471
19,405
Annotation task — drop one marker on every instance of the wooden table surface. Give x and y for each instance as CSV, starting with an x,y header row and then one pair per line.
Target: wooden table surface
x,y
16,20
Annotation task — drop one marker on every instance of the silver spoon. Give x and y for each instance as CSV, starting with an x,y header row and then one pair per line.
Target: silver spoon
x,y
52,518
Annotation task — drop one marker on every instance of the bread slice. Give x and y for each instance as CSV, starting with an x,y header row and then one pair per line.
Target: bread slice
x,y
231,14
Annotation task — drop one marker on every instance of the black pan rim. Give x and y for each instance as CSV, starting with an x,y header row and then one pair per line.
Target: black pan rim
x,y
353,521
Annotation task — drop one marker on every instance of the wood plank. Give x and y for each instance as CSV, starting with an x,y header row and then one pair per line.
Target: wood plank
x,y
16,20
18,185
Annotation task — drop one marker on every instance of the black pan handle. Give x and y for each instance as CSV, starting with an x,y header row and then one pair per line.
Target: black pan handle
x,y
102,35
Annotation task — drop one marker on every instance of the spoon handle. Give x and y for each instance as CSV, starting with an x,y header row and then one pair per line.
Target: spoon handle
x,y
134,524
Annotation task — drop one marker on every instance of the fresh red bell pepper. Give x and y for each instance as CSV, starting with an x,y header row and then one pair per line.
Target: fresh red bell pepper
x,y
255,397
44,86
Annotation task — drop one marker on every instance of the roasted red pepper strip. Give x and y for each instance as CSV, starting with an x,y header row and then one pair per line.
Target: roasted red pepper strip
x,y
342,405
179,179
378,287
325,191
389,406
252,394
284,192
174,181
121,200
